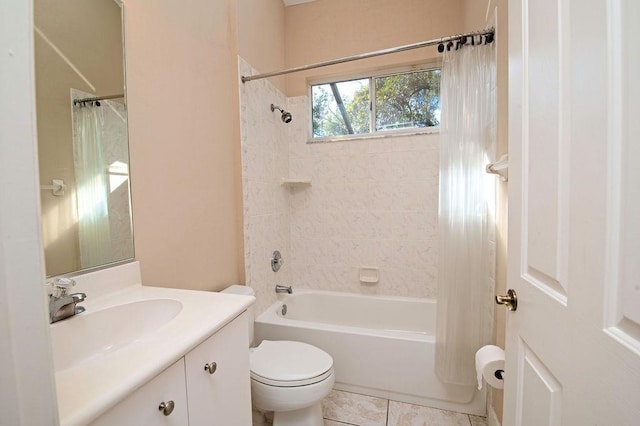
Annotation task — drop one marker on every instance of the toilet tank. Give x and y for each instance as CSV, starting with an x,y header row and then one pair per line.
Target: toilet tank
x,y
245,291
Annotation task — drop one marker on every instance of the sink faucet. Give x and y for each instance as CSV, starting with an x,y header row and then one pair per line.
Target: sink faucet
x,y
283,289
61,304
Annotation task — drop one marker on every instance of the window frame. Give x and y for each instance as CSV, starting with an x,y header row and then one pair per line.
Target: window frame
x,y
371,75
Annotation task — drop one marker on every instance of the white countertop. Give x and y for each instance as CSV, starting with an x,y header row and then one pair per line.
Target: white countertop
x,y
90,388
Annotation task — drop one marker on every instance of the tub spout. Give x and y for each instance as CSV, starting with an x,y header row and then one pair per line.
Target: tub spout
x,y
283,289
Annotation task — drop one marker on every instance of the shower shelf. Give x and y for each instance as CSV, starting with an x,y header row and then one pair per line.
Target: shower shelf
x,y
295,182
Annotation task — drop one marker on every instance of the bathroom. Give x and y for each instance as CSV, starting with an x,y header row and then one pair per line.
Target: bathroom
x,y
191,211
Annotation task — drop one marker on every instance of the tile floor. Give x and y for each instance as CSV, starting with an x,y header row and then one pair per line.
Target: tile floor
x,y
350,409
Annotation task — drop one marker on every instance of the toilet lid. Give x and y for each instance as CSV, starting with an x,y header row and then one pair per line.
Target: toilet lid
x,y
286,363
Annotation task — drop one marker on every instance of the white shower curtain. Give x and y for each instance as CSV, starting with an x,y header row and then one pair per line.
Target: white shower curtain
x,y
466,203
92,187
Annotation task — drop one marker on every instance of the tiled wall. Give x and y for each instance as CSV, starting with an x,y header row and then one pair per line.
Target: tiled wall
x,y
372,202
116,157
265,161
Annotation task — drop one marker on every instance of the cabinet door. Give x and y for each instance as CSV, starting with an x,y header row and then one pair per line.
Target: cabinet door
x,y
141,408
221,397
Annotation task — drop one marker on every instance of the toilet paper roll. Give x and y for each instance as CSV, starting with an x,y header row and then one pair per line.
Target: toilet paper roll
x,y
490,365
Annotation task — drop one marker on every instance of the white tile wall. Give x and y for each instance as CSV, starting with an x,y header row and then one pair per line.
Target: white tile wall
x,y
265,161
372,202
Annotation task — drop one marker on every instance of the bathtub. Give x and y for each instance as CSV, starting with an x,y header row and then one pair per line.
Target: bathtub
x,y
381,346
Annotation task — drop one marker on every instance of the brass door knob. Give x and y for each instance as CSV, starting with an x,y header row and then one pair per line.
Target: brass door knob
x,y
510,300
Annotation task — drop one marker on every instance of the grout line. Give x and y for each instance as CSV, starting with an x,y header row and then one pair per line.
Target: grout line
x,y
388,408
338,421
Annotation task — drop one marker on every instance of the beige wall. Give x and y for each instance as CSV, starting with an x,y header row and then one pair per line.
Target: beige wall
x,y
475,12
329,29
261,36
89,35
184,142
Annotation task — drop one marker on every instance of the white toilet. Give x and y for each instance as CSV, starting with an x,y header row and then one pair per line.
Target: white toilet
x,y
289,378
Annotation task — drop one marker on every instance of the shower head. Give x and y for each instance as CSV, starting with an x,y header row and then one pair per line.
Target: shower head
x,y
285,117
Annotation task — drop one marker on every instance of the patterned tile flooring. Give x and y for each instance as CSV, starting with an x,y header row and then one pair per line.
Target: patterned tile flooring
x,y
350,409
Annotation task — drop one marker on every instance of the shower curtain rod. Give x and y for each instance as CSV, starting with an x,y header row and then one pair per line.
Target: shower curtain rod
x,y
412,46
97,98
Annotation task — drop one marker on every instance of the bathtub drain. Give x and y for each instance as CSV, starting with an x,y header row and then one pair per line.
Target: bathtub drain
x,y
284,309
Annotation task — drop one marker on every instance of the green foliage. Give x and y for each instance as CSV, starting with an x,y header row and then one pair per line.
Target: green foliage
x,y
326,116
402,100
319,111
408,100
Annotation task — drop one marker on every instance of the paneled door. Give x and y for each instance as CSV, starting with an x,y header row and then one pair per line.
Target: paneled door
x,y
573,344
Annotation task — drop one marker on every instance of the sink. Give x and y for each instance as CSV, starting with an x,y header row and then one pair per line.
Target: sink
x,y
95,334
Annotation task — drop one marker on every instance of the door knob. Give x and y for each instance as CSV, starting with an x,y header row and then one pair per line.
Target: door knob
x,y
510,300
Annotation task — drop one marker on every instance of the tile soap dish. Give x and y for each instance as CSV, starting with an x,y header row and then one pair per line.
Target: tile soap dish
x,y
369,275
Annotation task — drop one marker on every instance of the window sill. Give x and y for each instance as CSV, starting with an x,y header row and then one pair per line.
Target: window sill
x,y
377,135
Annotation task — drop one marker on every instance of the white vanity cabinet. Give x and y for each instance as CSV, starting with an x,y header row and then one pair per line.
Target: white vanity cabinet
x,y
141,407
210,386
218,383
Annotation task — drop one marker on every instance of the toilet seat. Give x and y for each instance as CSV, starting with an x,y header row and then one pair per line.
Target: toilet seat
x,y
288,364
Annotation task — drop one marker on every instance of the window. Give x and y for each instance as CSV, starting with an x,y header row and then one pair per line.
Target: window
x,y
381,103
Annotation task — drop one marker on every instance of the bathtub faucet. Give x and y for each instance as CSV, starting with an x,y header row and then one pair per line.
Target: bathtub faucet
x,y
283,289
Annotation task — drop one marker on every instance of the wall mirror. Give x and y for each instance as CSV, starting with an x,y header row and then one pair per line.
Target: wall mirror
x,y
82,134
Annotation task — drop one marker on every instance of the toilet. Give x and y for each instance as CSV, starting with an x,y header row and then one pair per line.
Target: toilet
x,y
288,378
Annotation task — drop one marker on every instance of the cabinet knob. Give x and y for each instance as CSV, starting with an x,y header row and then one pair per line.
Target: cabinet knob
x,y
211,368
167,407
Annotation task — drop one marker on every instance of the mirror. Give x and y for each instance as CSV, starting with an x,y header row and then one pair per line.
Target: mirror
x,y
82,145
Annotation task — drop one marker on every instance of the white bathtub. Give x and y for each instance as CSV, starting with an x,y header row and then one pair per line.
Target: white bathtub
x,y
381,346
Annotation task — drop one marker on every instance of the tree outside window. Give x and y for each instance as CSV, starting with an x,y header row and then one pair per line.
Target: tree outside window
x,y
384,103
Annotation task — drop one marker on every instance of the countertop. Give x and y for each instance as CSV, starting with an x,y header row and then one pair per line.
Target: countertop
x,y
90,388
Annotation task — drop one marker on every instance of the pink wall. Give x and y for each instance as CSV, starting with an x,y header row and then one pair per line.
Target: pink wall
x,y
184,142
329,29
261,36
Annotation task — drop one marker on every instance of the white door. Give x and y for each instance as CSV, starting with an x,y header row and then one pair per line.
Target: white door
x,y
573,344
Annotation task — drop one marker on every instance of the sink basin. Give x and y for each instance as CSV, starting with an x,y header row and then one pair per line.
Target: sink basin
x,y
95,334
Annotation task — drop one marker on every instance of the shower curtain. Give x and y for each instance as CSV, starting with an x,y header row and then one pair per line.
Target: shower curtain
x,y
92,187
466,202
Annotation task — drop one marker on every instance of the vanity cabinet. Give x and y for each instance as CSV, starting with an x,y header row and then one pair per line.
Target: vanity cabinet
x,y
141,407
219,387
209,386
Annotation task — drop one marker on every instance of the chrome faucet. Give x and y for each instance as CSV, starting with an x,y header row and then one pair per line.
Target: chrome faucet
x,y
283,289
61,304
